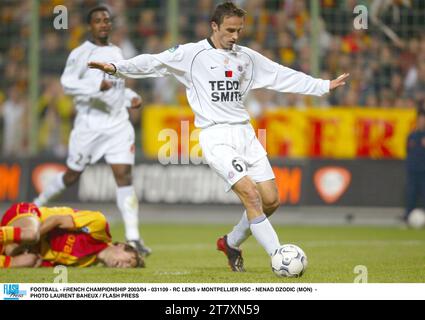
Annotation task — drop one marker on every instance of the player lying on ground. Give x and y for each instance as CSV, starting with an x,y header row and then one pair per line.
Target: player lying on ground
x,y
218,75
68,237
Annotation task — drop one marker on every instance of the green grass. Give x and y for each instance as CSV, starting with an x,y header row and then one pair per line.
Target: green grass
x,y
187,254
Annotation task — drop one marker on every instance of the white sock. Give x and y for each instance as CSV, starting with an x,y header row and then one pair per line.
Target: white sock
x,y
129,206
240,232
53,189
263,231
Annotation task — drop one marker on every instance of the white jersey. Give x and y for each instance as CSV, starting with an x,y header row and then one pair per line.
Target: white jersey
x,y
96,109
217,81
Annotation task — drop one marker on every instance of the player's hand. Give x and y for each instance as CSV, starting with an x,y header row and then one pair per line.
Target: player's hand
x,y
105,85
136,103
105,67
26,260
338,82
38,262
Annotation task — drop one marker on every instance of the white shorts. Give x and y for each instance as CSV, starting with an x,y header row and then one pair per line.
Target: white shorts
x,y
88,146
233,152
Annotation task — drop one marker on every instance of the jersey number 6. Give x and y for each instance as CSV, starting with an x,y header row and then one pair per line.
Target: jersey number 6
x,y
238,165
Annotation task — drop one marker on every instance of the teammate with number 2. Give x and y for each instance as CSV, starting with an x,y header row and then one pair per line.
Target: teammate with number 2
x,y
218,74
102,127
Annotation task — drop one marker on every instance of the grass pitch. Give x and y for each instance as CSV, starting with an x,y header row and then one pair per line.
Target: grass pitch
x,y
187,254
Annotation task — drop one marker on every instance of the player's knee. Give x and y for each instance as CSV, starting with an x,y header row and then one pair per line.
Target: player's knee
x,y
123,179
123,175
71,177
251,196
270,205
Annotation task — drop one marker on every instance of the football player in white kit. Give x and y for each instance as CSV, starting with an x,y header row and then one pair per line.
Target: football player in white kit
x,y
102,127
218,74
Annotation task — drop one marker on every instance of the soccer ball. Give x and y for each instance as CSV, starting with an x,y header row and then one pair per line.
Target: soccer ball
x,y
289,261
416,219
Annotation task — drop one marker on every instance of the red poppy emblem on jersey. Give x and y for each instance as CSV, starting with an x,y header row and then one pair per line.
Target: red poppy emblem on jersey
x,y
228,73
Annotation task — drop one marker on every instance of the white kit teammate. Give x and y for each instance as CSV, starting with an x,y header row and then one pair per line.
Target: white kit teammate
x,y
218,74
102,127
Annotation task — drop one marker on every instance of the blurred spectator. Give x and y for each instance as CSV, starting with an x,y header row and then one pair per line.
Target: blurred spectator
x,y
286,49
256,22
147,25
418,89
120,38
386,70
77,30
13,114
397,84
53,54
371,100
377,11
202,30
56,112
350,98
260,100
408,57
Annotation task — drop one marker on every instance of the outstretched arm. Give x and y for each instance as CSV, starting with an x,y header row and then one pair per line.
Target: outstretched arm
x,y
176,61
62,222
142,66
271,75
25,260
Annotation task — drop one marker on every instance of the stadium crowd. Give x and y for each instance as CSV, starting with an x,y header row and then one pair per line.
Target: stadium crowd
x,y
385,72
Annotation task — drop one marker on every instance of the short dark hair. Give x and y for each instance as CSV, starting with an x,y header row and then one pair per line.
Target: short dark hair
x,y
227,9
96,9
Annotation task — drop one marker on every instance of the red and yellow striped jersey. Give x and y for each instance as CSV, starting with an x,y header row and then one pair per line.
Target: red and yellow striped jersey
x,y
76,247
19,210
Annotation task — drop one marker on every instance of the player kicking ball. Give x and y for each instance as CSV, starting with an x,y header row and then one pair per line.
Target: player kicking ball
x,y
218,74
102,127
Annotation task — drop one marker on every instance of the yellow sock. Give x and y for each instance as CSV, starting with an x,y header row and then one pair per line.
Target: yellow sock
x,y
5,261
10,235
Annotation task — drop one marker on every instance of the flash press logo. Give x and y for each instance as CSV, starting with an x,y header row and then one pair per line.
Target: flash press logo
x,y
12,292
